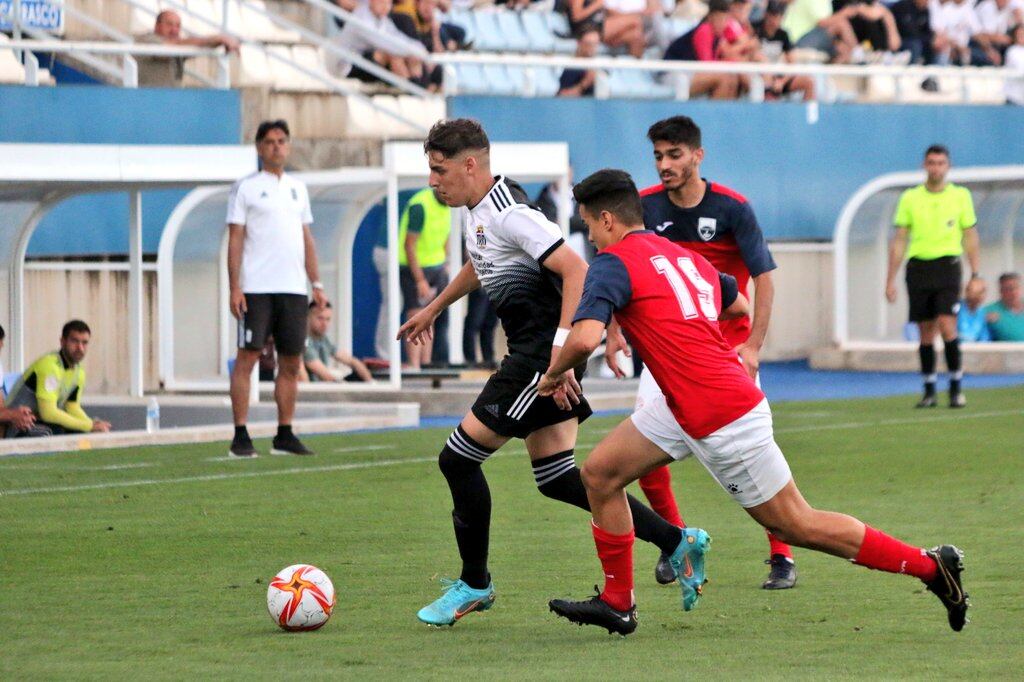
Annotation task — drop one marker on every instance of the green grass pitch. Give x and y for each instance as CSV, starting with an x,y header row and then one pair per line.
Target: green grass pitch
x,y
154,562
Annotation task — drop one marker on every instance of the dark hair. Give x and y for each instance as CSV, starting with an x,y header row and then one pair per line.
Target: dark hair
x,y
775,7
312,304
613,191
454,136
677,130
267,126
1008,277
74,326
718,6
3,334
937,149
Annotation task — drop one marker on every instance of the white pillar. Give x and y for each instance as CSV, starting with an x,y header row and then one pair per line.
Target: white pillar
x,y
136,332
393,293
457,311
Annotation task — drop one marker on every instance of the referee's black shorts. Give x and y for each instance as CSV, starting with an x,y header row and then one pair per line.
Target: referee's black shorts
x,y
509,404
933,287
282,315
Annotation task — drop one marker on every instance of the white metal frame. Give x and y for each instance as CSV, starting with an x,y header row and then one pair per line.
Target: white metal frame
x,y
50,173
844,223
404,167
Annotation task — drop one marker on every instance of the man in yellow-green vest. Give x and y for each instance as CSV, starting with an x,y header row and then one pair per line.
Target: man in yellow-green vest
x,y
935,227
423,233
52,388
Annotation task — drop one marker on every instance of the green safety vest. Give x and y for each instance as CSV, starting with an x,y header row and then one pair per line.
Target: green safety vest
x,y
432,246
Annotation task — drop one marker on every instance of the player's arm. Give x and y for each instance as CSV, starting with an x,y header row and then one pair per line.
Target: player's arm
x,y
734,304
969,225
236,239
758,259
615,342
572,269
313,266
420,327
417,217
897,247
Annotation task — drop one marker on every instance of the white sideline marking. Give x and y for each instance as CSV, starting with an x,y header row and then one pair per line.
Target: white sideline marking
x,y
422,460
116,467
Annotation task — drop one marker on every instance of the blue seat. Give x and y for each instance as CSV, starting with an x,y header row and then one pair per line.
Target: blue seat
x,y
538,32
10,379
517,77
632,84
470,80
545,80
463,18
499,81
512,31
558,25
489,37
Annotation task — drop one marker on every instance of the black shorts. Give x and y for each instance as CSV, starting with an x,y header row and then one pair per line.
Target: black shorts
x,y
283,316
436,276
509,404
933,287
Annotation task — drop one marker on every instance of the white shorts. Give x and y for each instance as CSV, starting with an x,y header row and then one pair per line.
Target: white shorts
x,y
742,455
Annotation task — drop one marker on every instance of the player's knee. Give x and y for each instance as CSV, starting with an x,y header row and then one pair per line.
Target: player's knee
x,y
453,464
557,477
461,454
597,477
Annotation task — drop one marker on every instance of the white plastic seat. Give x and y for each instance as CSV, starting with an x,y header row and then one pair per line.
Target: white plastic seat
x,y
512,31
251,68
11,70
257,26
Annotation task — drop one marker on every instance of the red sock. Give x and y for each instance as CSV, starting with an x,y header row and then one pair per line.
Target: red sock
x,y
616,554
657,486
777,546
885,553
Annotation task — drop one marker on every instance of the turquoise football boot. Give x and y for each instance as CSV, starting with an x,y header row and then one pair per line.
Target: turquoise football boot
x,y
688,562
458,600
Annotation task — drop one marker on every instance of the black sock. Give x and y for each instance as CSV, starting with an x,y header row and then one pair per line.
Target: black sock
x,y
284,431
953,364
241,432
460,462
927,356
558,477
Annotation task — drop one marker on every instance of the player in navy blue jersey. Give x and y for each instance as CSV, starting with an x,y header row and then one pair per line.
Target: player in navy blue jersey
x,y
719,224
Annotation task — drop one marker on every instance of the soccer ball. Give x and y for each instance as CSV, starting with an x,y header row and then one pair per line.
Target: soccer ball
x,y
300,597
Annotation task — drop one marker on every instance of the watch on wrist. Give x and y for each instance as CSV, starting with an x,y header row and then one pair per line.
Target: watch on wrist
x,y
318,285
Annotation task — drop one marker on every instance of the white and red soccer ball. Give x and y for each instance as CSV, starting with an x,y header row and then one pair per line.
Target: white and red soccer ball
x,y
300,597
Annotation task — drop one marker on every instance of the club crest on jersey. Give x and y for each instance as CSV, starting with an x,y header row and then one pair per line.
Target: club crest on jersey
x,y
706,228
481,240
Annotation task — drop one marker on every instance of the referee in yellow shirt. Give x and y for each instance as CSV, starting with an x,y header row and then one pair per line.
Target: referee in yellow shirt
x,y
935,225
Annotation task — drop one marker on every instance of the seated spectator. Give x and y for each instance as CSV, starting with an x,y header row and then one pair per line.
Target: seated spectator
x,y
53,385
425,26
422,268
1005,317
580,82
811,24
913,21
953,22
776,46
168,72
740,43
701,44
872,23
320,353
647,12
616,29
383,44
19,418
995,19
1014,87
970,319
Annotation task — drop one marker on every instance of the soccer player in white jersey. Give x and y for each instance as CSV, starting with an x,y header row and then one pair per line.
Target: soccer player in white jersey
x,y
534,280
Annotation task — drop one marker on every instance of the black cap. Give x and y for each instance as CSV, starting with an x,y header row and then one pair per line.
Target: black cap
x,y
718,6
775,7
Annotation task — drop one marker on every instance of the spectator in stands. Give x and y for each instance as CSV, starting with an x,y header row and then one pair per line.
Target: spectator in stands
x,y
702,44
776,46
913,21
740,43
53,385
424,24
872,23
1006,316
811,24
954,22
376,39
320,353
19,418
970,319
616,29
1014,60
168,72
580,82
995,19
423,271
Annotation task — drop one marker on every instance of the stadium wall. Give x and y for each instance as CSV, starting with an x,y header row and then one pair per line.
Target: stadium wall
x,y
796,163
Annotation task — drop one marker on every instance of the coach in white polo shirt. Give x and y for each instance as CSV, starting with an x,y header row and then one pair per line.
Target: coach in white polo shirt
x,y
270,256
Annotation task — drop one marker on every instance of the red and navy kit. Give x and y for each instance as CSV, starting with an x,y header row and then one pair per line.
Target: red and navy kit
x,y
723,229
667,299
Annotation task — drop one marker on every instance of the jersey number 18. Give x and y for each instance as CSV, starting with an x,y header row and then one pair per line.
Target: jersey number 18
x,y
705,290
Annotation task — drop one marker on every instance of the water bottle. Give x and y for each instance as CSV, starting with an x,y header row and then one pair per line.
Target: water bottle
x,y
152,416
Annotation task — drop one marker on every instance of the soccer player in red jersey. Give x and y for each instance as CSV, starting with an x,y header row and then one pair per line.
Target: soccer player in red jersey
x,y
668,299
719,224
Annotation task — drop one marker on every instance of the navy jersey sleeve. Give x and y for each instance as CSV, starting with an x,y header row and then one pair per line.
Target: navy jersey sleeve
x,y
750,239
730,290
606,289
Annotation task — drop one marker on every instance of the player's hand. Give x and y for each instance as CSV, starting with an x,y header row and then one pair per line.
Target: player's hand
x,y
548,385
238,306
890,292
418,329
22,418
100,426
749,355
614,343
320,298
